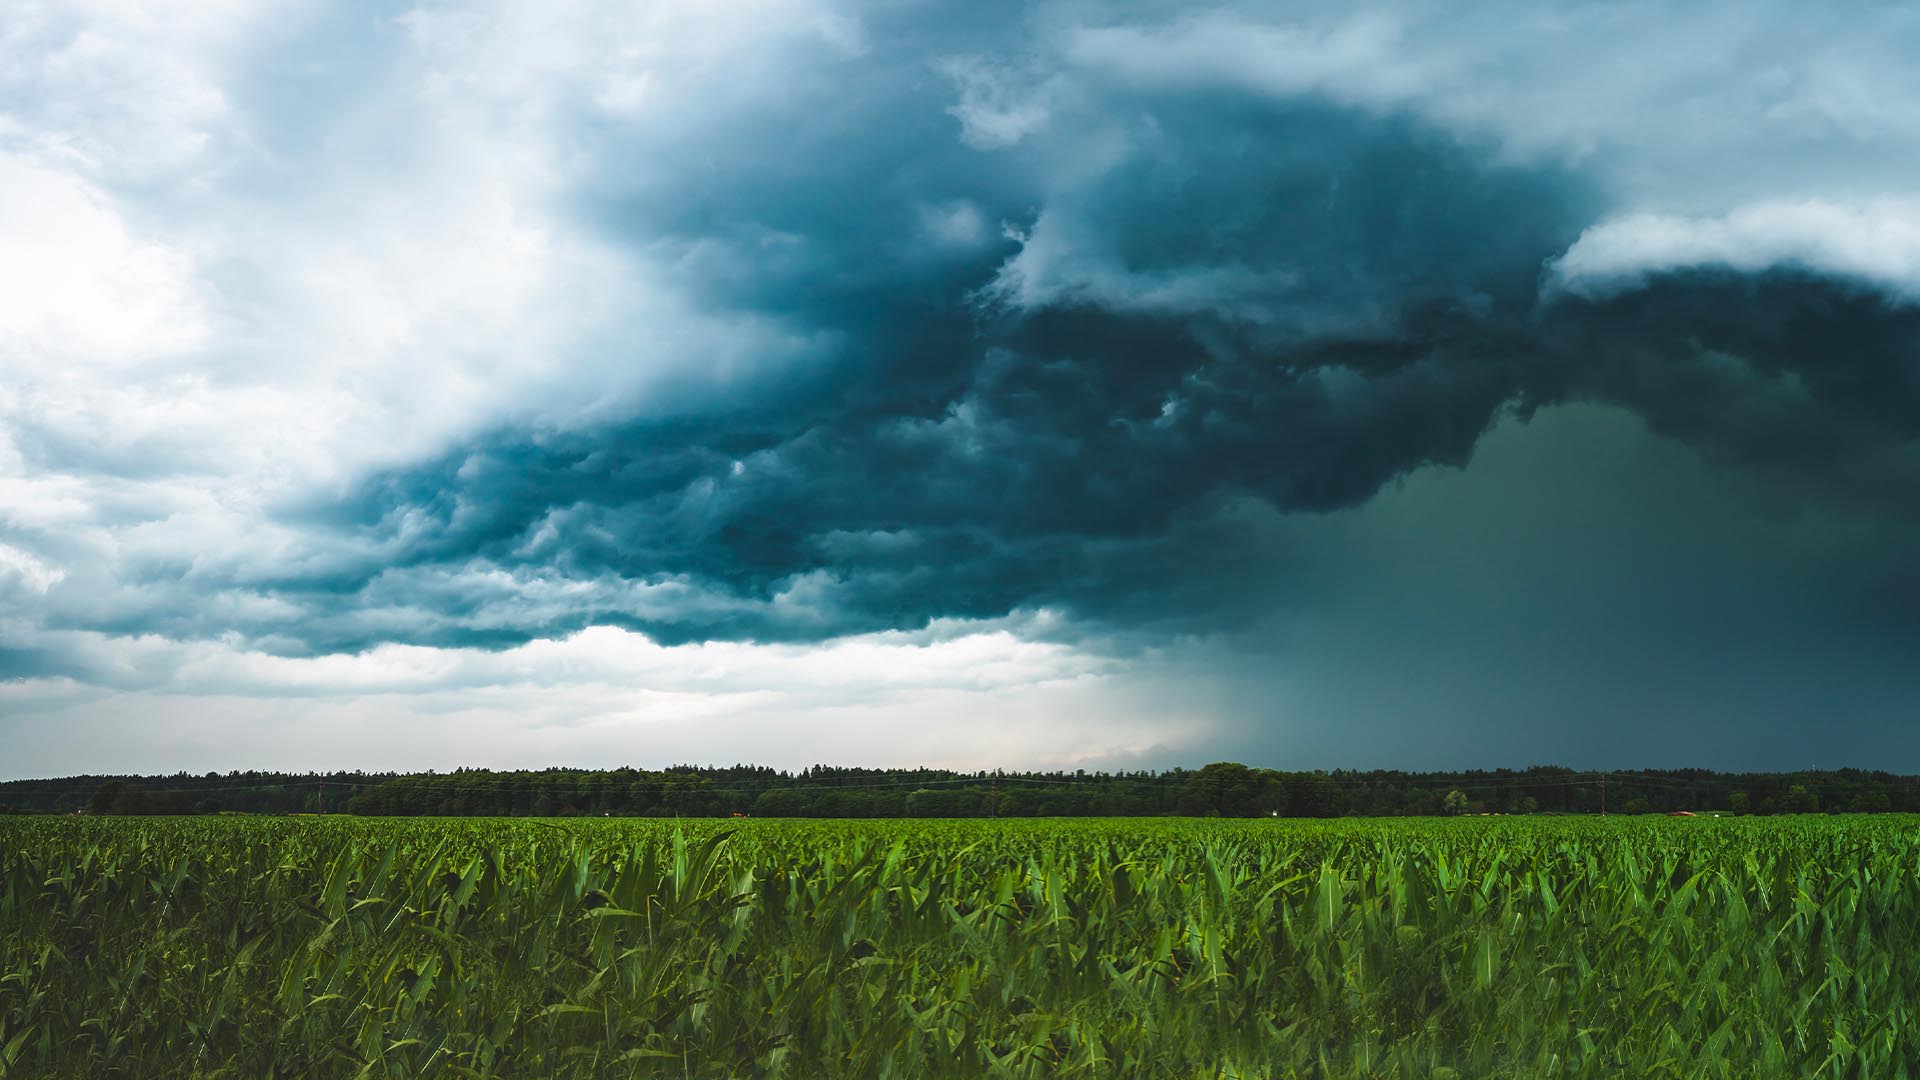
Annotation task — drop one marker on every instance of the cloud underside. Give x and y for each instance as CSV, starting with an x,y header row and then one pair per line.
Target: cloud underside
x,y
927,328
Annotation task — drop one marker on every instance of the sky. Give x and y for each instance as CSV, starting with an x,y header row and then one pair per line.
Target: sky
x,y
1026,385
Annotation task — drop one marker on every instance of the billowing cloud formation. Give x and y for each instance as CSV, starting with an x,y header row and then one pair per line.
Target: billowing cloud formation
x,y
492,323
1022,424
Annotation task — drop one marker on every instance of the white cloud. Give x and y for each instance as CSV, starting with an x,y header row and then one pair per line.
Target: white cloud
x,y
77,287
1694,109
998,108
980,694
383,273
1360,60
1876,244
21,571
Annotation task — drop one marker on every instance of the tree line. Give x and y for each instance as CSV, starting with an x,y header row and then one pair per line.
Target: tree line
x,y
1222,789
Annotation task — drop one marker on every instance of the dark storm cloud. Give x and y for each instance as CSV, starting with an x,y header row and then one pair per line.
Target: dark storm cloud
x,y
1780,369
1293,304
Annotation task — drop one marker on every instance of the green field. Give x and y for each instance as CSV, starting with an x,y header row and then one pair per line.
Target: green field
x,y
1526,947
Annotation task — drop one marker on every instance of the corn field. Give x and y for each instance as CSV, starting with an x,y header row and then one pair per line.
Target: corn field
x,y
1514,947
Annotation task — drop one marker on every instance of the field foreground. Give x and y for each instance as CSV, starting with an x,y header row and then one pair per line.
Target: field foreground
x,y
1524,947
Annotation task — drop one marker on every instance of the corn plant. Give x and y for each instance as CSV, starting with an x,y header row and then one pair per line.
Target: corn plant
x,y
1515,947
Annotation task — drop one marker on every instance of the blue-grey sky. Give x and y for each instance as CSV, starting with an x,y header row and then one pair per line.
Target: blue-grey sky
x,y
1059,383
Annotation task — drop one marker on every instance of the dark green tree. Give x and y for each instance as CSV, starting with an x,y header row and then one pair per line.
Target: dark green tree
x,y
110,798
1230,789
1870,801
1313,794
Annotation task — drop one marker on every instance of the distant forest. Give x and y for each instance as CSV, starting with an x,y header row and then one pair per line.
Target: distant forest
x,y
1223,789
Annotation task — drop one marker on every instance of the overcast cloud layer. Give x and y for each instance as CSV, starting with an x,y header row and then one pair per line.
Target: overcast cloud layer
x,y
989,384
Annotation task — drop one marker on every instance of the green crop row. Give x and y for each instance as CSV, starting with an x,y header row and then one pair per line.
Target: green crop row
x,y
323,947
